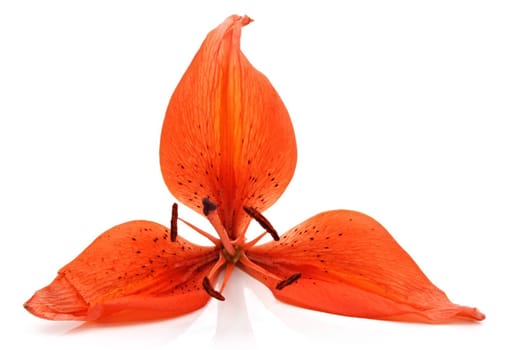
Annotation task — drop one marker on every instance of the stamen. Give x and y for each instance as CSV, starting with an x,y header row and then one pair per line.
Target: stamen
x,y
228,272
249,264
206,284
253,242
288,281
173,223
214,240
244,260
261,220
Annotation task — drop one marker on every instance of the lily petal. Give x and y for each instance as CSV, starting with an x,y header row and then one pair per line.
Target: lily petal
x,y
227,135
130,272
350,265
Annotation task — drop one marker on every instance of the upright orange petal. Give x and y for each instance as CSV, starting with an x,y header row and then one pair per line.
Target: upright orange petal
x,y
227,136
130,272
350,265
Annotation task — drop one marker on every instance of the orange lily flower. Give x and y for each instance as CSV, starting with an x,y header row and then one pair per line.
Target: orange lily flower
x,y
228,151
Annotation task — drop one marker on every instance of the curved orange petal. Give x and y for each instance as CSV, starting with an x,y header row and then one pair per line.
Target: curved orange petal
x,y
351,265
227,135
130,272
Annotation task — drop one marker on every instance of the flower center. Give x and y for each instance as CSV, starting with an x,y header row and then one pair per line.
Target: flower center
x,y
231,252
232,258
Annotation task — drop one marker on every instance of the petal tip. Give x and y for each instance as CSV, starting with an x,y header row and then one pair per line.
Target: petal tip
x,y
39,307
246,20
243,20
473,314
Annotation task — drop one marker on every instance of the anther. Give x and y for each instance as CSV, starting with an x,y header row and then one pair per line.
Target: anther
x,y
206,284
209,206
284,283
261,220
173,223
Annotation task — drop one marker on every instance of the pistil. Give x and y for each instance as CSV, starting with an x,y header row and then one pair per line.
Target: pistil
x,y
209,209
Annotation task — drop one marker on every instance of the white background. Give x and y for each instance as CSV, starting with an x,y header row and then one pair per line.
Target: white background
x,y
400,110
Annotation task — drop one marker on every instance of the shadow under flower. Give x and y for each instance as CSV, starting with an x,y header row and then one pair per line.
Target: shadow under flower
x,y
233,323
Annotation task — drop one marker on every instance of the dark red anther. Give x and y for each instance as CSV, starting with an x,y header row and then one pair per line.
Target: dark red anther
x,y
206,284
288,281
173,223
261,220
